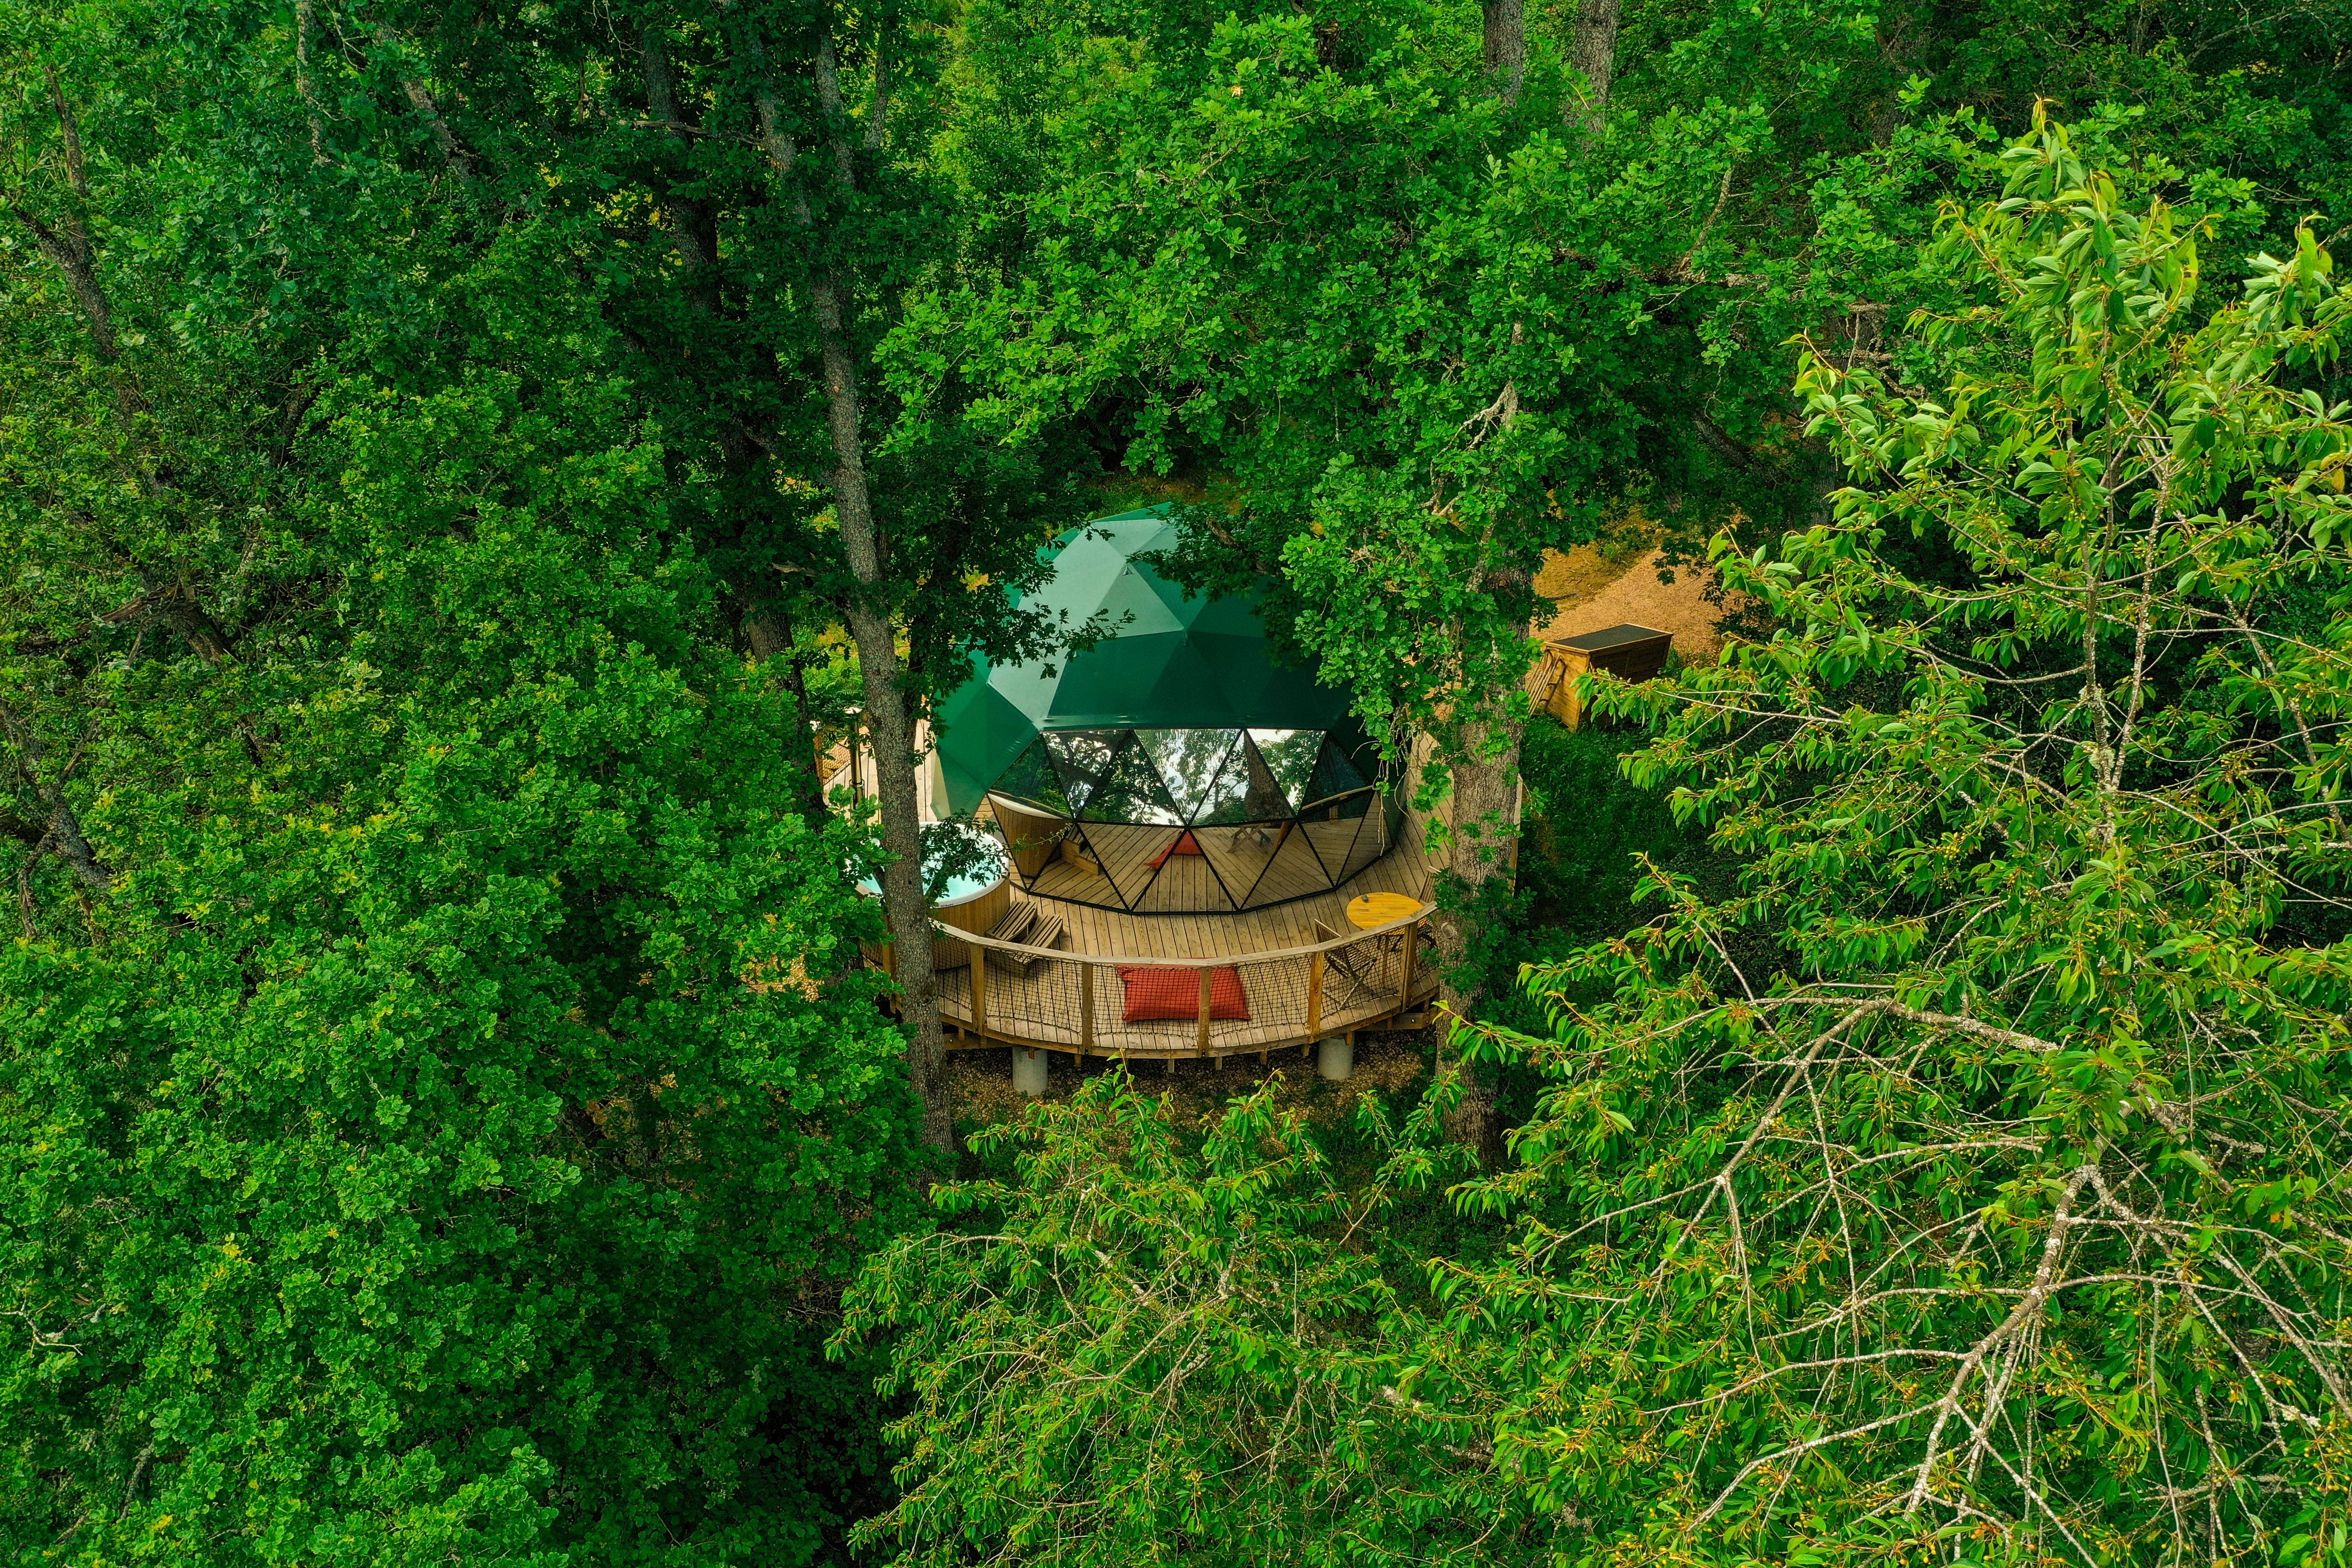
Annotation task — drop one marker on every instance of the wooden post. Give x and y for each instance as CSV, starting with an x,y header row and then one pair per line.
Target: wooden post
x,y
1314,994
980,990
1085,1007
1412,951
1205,970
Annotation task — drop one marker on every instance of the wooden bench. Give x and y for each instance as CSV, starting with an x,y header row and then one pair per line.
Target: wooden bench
x,y
1032,927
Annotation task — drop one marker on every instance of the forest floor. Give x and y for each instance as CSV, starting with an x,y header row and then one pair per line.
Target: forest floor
x,y
1390,1065
1617,581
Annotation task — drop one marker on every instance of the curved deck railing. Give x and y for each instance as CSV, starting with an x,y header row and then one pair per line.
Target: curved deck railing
x,y
1005,993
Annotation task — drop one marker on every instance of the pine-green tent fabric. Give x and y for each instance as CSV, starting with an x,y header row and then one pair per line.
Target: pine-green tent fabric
x,y
1171,662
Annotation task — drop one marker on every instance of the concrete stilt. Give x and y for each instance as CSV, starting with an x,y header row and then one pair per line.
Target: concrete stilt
x,y
1335,1057
1029,1071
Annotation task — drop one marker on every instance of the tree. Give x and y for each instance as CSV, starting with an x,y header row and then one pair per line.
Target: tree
x,y
736,183
1425,334
1135,1350
440,1096
1964,1186
1968,1182
1505,46
1390,304
441,1130
1593,53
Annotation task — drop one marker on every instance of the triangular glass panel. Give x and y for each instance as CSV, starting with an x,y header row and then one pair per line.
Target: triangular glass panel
x,y
1292,870
1032,837
1130,792
1033,778
1371,843
1382,828
1235,857
1188,761
1185,883
1331,841
1263,798
1124,853
1083,755
1341,808
1335,774
1288,755
1237,790
1084,877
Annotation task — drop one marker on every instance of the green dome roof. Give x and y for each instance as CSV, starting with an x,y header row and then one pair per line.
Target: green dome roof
x,y
1172,663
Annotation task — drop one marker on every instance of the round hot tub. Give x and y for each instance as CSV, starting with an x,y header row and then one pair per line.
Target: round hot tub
x,y
966,867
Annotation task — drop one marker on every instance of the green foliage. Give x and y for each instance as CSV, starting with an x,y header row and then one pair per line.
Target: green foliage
x,y
1961,1182
2006,1216
1325,279
1591,838
1427,332
439,1098
1589,830
440,1101
1142,1349
428,1173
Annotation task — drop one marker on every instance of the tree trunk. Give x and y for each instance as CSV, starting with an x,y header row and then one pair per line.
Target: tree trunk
x,y
62,834
67,245
693,233
1897,45
796,683
1594,56
892,737
888,728
70,247
303,84
768,631
454,151
1506,46
686,218
1482,817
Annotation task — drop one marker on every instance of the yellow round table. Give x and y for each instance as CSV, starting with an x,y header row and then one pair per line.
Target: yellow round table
x,y
1377,909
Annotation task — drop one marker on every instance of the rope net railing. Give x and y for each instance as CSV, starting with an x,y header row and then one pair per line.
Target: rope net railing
x,y
1109,1005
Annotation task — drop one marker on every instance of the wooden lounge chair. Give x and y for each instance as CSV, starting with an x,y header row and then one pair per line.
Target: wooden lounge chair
x,y
1032,927
1348,963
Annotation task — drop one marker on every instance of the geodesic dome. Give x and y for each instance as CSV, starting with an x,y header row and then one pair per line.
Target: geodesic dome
x,y
1173,766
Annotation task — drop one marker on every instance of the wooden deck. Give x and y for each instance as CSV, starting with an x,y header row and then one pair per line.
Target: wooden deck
x,y
1298,985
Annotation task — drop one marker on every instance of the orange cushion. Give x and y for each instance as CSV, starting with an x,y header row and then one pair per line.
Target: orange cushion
x,y
1154,992
1184,845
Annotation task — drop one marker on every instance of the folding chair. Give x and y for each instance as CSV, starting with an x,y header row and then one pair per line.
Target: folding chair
x,y
1030,926
1348,963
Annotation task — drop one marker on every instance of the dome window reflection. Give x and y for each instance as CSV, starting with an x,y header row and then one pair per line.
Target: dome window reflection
x,y
1174,767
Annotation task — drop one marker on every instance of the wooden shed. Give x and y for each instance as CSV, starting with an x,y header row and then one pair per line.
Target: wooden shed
x,y
1630,653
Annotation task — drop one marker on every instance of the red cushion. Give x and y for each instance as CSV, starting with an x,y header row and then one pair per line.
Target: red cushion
x,y
1184,845
1154,992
